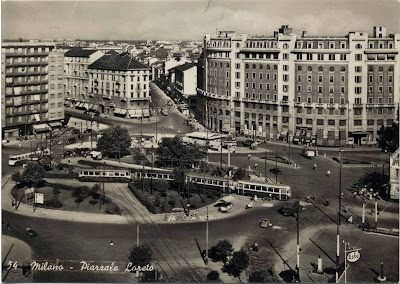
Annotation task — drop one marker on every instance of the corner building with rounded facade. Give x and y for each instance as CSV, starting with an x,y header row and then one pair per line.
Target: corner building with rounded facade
x,y
336,89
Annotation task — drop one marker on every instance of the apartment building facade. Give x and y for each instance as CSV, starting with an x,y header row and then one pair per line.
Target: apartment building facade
x,y
394,175
76,75
119,85
338,89
32,88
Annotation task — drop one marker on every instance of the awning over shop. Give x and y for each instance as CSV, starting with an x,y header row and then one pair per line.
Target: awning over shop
x,y
117,110
135,113
91,106
36,117
41,128
123,111
55,124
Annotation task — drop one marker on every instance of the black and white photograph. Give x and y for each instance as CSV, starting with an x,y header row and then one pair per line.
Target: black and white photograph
x,y
214,141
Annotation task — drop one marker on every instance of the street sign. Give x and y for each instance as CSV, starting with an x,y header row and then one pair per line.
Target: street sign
x,y
39,198
353,256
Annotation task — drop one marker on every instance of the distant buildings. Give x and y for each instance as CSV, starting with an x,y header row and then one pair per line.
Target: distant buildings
x,y
32,88
119,85
76,75
394,175
339,89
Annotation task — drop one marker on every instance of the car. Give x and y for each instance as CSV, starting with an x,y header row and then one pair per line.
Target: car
x,y
164,112
247,143
249,205
31,232
286,211
226,207
264,223
88,130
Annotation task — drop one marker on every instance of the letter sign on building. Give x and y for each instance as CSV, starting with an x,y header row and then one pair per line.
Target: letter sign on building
x,y
353,256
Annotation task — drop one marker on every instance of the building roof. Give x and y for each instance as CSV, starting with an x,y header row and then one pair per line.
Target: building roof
x,y
119,62
184,67
79,52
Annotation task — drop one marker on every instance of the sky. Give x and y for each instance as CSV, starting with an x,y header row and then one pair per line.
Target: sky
x,y
191,19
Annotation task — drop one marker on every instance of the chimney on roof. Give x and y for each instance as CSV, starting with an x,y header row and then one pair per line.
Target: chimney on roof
x,y
304,34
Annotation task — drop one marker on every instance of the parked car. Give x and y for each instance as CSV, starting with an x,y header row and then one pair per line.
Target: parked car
x,y
265,223
225,208
164,112
249,205
31,232
247,143
286,211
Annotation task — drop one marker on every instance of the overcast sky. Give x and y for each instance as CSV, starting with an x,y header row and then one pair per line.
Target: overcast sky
x,y
191,19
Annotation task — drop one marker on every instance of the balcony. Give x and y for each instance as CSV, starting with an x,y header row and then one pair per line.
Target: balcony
x,y
26,73
358,105
26,93
32,102
27,83
286,103
26,54
34,111
37,63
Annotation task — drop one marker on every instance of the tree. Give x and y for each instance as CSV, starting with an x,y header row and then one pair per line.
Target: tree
x,y
174,152
114,142
389,137
239,174
179,179
16,177
260,276
238,263
140,255
33,173
221,250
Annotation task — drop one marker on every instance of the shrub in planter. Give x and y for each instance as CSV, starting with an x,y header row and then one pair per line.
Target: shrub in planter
x,y
93,201
113,209
213,276
53,203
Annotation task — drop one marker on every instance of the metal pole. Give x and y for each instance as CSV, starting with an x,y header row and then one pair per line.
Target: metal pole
x,y
363,214
137,235
298,247
338,218
376,213
157,125
104,174
151,174
265,165
91,134
345,262
81,134
229,155
206,257
221,154
276,163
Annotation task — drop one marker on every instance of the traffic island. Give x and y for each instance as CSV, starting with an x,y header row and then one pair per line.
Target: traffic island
x,y
65,197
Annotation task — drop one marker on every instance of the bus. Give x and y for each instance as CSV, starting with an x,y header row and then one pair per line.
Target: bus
x,y
15,160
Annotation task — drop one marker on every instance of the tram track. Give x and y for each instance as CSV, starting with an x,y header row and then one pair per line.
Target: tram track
x,y
172,258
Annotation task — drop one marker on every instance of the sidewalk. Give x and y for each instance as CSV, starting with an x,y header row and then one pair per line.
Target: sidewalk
x,y
325,148
19,252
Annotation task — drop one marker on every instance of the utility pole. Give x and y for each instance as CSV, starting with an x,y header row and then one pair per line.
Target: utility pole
x,y
81,134
137,235
104,174
206,257
339,217
376,213
298,245
276,164
157,125
221,153
151,174
91,133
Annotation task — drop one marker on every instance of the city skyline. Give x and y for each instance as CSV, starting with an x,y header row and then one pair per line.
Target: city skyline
x,y
185,20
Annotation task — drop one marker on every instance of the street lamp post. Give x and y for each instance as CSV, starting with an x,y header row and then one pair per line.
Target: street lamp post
x,y
206,256
339,217
298,245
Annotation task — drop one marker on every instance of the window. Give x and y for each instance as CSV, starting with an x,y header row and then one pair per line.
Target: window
x,y
343,56
358,69
261,86
320,56
331,122
260,76
285,67
357,79
320,122
285,77
320,89
320,78
358,57
357,122
331,78
237,65
285,56
357,90
298,77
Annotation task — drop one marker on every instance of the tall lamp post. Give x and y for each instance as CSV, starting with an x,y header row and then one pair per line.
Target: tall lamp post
x,y
339,217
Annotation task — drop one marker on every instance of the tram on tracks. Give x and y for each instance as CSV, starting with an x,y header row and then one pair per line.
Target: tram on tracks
x,y
105,175
152,175
273,191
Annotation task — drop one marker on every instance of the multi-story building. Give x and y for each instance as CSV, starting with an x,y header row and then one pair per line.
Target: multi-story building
x,y
76,75
32,88
338,89
119,85
394,175
184,81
